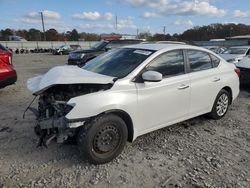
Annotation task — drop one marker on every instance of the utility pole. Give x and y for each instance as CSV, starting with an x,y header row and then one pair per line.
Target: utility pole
x,y
44,35
164,30
116,22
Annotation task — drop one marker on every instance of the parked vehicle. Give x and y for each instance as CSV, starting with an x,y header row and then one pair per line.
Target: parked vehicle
x,y
235,54
244,66
128,92
66,49
8,74
80,57
216,49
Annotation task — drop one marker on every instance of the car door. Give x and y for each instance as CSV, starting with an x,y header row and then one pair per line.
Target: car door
x,y
205,81
160,103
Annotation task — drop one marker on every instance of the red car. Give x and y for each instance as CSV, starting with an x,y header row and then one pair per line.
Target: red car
x,y
8,74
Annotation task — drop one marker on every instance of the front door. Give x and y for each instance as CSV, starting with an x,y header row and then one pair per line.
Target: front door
x,y
160,103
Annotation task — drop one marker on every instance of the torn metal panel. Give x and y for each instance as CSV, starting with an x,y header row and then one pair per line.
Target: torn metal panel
x,y
63,75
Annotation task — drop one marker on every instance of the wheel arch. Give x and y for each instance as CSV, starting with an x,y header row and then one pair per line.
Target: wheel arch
x,y
229,90
127,119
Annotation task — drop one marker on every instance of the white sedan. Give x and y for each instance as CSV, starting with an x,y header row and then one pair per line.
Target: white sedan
x,y
127,92
236,53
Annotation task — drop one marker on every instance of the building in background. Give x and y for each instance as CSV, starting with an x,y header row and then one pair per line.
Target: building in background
x,y
242,38
129,37
17,38
111,37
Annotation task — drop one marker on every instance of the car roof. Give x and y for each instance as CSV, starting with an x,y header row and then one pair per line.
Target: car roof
x,y
170,42
157,47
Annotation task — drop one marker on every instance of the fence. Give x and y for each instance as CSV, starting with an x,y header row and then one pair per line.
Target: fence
x,y
226,43
87,44
44,44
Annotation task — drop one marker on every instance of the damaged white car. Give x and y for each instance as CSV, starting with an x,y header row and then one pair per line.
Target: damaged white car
x,y
128,92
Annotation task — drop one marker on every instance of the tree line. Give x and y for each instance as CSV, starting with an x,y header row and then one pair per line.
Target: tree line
x,y
203,33
50,35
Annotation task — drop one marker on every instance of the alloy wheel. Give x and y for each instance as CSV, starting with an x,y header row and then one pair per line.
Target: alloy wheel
x,y
222,105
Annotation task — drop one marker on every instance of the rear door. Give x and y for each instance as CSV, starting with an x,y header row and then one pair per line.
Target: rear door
x,y
204,79
160,103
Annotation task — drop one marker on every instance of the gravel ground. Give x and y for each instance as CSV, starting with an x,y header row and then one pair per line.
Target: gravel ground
x,y
196,153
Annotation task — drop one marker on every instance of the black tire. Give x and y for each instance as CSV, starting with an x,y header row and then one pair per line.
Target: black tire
x,y
216,113
102,139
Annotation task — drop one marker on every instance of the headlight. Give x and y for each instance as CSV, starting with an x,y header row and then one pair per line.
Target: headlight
x,y
232,60
82,55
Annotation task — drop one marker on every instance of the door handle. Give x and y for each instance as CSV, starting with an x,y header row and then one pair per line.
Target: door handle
x,y
216,80
183,86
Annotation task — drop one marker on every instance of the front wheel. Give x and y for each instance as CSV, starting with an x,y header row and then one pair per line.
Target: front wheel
x,y
103,139
221,105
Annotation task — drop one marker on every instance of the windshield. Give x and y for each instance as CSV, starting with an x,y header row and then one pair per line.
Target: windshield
x,y
117,62
99,45
236,51
63,46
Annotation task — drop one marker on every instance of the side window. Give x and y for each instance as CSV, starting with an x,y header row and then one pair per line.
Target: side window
x,y
248,52
199,60
169,64
215,60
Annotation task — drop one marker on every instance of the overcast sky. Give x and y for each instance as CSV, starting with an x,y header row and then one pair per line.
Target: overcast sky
x,y
98,16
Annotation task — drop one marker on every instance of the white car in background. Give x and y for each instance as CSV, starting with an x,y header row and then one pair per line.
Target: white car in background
x,y
216,49
128,92
244,66
235,54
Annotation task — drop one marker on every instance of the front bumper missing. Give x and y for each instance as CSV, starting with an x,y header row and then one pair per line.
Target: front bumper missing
x,y
56,128
61,123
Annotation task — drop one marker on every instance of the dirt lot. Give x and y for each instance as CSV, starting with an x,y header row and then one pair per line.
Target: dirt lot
x,y
195,153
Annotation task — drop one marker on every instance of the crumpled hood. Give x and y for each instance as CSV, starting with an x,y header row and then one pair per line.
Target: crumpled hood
x,y
231,56
66,75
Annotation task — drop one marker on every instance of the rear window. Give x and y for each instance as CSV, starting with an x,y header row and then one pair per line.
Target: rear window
x,y
199,60
215,60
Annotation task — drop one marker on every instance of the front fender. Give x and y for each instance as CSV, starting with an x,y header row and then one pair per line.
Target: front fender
x,y
93,104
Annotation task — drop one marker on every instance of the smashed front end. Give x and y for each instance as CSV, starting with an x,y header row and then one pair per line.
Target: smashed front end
x,y
53,107
55,89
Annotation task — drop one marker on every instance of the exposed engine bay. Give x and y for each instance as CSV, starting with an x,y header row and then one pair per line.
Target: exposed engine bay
x,y
52,108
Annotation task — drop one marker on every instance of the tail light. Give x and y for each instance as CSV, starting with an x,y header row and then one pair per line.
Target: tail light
x,y
237,71
5,57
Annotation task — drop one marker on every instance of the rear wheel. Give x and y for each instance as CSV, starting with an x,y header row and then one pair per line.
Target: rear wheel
x,y
103,139
221,105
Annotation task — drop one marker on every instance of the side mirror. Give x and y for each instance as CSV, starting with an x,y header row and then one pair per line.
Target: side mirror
x,y
152,76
